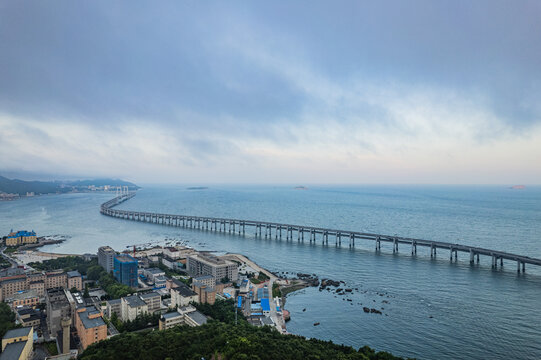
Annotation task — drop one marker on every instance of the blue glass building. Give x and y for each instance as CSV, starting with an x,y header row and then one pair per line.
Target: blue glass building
x,y
125,270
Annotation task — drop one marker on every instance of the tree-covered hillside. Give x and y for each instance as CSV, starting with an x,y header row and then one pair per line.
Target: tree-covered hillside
x,y
217,340
21,187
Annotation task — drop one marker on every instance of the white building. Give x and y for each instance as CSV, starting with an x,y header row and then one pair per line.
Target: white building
x,y
132,306
207,264
182,296
106,257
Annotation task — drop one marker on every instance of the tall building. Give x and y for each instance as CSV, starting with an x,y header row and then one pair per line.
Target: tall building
x,y
58,308
106,257
90,326
199,264
125,270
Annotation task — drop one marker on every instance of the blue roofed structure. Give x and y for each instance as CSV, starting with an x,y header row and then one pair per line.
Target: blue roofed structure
x,y
265,305
239,303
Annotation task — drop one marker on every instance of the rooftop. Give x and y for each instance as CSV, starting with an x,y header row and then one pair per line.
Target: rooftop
x,y
149,295
134,301
15,333
89,323
125,258
23,294
171,315
105,249
203,277
13,351
154,271
209,258
11,272
265,304
73,274
184,290
197,317
113,302
22,233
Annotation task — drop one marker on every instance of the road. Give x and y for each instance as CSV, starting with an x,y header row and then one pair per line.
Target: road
x,y
278,319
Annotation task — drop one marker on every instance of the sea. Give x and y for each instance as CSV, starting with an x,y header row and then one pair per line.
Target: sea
x,y
431,308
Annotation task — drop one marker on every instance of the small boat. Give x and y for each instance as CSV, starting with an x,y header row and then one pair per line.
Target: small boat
x,y
316,324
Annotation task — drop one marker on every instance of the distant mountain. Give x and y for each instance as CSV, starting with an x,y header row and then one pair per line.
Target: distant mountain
x,y
22,187
102,182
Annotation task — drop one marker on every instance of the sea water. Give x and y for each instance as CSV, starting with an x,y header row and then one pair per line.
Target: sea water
x,y
432,308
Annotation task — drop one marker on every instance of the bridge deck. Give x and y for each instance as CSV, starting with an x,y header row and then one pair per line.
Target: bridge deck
x,y
204,221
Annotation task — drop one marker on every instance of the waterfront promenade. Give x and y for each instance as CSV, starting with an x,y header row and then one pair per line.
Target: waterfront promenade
x,y
302,233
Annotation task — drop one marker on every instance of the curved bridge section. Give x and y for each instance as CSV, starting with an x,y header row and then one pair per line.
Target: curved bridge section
x,y
289,231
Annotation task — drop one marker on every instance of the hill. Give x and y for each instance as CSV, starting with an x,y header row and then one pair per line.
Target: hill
x,y
21,187
217,340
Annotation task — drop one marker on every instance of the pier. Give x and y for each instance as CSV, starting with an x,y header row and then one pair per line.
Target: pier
x,y
301,233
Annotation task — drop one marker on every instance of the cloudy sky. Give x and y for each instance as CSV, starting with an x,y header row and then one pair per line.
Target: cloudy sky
x,y
272,92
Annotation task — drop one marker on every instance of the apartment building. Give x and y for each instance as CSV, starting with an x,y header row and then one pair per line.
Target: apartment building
x,y
207,264
75,280
132,306
183,296
153,301
90,326
18,344
106,257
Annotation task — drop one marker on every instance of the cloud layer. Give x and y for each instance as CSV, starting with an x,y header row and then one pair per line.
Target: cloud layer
x,y
211,92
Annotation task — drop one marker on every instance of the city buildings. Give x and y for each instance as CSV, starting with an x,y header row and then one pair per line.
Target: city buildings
x,y
18,344
23,298
55,279
125,270
27,316
207,264
152,273
204,280
113,307
21,237
90,326
187,315
206,295
106,257
153,301
75,280
183,296
131,307
58,308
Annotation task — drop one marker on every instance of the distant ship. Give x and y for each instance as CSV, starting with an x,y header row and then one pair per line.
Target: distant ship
x,y
300,188
518,187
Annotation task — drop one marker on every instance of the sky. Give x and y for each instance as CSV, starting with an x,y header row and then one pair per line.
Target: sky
x,y
353,92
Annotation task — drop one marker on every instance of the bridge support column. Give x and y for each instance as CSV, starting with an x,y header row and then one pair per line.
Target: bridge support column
x,y
518,266
501,261
523,267
494,261
471,256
